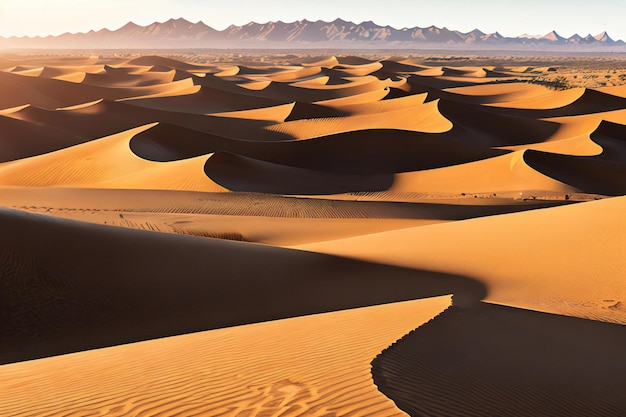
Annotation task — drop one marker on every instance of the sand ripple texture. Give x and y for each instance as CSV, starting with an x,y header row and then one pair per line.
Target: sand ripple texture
x,y
324,236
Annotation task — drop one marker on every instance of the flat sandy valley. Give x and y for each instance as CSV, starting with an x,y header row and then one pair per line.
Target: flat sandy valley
x,y
312,235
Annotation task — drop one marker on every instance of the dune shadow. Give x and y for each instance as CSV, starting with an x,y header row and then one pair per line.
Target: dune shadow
x,y
67,286
238,173
492,360
589,174
373,151
602,174
478,123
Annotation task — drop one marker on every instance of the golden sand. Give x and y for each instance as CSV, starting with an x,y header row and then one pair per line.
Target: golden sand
x,y
239,238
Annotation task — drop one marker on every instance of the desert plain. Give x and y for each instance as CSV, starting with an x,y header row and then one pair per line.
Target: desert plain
x,y
317,235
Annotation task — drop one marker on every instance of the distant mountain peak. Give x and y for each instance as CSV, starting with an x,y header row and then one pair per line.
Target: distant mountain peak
x,y
131,25
181,33
180,20
553,36
603,37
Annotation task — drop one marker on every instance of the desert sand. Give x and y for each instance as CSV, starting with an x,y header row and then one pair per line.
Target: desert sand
x,y
311,235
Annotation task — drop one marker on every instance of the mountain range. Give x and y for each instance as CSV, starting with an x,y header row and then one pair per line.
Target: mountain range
x,y
180,33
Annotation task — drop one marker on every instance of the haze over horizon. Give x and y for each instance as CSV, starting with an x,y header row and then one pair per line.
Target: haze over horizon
x,y
509,18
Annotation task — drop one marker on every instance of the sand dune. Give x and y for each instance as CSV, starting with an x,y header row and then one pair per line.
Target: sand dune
x,y
206,100
76,166
238,173
556,362
376,151
245,216
154,60
52,93
107,163
525,93
370,97
476,123
70,126
514,175
603,173
424,118
120,78
163,284
240,196
33,139
328,62
315,365
308,91
276,114
558,273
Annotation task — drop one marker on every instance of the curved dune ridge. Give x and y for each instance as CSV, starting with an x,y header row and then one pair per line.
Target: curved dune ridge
x,y
557,273
494,361
194,374
267,235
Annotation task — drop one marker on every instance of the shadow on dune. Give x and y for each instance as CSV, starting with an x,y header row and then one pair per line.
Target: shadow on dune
x,y
492,360
33,131
67,286
238,173
20,139
374,151
601,174
593,175
302,111
434,85
480,125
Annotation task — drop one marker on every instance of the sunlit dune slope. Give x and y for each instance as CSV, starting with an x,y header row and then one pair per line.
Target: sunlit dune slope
x,y
562,260
313,365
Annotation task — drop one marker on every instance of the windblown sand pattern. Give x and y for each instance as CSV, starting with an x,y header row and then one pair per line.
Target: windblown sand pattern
x,y
252,238
287,370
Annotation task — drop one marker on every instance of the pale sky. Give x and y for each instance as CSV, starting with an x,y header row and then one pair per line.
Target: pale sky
x,y
509,17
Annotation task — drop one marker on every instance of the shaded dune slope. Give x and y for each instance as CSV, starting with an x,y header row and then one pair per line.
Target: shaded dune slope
x,y
237,173
478,123
500,361
360,152
52,93
605,173
107,286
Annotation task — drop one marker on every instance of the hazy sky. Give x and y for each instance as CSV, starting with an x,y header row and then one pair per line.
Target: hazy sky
x,y
510,18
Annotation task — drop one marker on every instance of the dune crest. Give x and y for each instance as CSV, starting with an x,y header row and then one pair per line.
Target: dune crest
x,y
313,365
